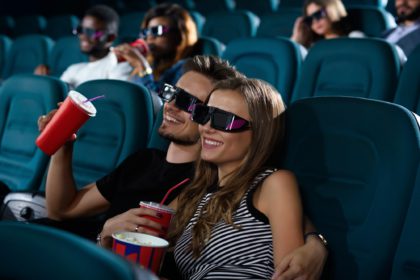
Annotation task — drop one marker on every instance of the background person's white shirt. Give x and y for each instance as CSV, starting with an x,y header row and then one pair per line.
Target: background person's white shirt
x,y
104,68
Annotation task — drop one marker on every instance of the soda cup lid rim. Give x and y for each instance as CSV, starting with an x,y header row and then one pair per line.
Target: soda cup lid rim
x,y
163,242
78,99
158,206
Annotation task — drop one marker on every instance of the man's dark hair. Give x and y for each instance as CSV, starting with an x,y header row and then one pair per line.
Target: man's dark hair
x,y
106,15
214,68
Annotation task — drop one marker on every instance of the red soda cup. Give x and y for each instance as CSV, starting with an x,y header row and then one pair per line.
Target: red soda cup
x,y
165,215
70,116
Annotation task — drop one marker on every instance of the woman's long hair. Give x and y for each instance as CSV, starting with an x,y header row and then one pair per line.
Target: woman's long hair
x,y
265,107
336,13
183,35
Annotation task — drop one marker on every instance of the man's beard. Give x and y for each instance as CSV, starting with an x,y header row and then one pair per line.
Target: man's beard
x,y
96,51
413,15
185,141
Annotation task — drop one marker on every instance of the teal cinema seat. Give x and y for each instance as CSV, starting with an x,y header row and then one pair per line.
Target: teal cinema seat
x,y
357,67
408,91
275,60
356,163
27,52
66,51
23,99
37,252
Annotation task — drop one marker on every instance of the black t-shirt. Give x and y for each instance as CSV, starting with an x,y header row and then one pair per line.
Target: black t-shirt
x,y
145,175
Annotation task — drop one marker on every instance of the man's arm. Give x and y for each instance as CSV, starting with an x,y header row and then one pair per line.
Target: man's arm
x,y
307,261
63,199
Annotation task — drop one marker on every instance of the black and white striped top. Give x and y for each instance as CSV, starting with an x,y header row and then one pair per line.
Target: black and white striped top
x,y
231,253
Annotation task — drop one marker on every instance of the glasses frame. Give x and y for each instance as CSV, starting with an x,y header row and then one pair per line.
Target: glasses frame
x,y
318,15
91,33
155,31
228,122
183,100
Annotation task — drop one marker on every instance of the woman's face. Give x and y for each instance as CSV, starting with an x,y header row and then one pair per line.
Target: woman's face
x,y
226,149
318,20
160,45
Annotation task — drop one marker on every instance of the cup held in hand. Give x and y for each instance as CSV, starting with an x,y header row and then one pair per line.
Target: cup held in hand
x,y
70,116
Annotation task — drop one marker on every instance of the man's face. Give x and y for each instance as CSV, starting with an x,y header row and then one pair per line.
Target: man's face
x,y
408,9
93,35
177,125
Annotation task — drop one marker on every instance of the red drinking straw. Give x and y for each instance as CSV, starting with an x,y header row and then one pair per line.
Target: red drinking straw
x,y
171,189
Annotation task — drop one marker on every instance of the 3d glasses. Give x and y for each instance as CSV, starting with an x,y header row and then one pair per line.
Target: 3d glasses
x,y
183,100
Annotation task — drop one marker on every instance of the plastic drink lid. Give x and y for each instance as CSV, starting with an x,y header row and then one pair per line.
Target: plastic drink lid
x,y
157,206
79,99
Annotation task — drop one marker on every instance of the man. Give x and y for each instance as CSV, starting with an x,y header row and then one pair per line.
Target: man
x,y
149,173
97,32
407,34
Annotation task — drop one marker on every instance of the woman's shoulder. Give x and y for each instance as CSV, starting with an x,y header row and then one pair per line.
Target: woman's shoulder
x,y
279,180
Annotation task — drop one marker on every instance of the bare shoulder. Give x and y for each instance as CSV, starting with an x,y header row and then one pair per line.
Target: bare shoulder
x,y
280,178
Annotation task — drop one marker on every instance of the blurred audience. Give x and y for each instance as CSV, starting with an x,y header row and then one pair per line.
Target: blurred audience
x,y
97,32
322,19
407,34
170,34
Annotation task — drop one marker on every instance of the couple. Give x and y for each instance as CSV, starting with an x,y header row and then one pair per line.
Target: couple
x,y
232,199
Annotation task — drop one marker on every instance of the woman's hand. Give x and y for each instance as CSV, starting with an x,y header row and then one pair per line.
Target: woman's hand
x,y
133,56
300,30
44,120
133,220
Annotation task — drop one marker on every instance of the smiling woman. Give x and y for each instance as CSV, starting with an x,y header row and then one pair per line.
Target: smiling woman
x,y
238,218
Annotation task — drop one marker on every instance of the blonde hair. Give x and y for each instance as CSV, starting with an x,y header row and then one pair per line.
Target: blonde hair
x,y
265,107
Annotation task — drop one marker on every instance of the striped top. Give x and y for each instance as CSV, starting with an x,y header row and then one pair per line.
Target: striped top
x,y
231,253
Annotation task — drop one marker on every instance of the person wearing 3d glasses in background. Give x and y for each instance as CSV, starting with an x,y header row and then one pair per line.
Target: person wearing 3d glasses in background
x,y
96,32
170,35
322,19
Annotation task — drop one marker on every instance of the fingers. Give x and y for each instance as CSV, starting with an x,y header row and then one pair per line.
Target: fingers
x,y
292,272
45,119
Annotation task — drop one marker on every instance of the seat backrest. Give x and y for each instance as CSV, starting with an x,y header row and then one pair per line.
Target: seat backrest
x,y
61,26
240,23
207,7
155,140
258,7
407,259
129,28
121,127
208,46
356,161
408,91
372,21
367,3
27,53
5,47
66,51
358,67
7,24
275,60
198,19
32,24
23,98
49,253
279,23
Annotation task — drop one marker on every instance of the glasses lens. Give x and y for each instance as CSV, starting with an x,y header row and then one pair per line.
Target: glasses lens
x,y
318,15
167,93
185,101
226,121
200,114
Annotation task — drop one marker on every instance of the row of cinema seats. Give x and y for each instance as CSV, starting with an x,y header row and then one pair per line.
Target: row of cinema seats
x,y
365,68
373,21
357,163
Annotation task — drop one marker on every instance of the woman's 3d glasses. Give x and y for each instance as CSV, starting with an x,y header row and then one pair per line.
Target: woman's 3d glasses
x,y
219,119
183,100
155,31
91,33
315,16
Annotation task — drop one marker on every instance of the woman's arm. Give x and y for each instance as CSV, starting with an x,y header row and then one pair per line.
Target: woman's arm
x,y
279,199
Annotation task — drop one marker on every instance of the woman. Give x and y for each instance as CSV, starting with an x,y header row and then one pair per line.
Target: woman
x,y
237,218
170,33
323,19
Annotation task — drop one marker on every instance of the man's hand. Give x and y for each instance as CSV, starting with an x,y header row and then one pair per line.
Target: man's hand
x,y
305,263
